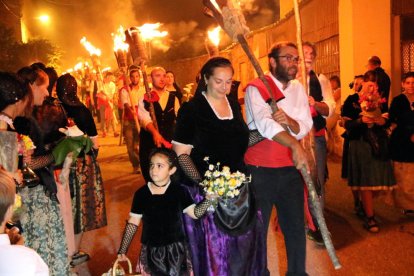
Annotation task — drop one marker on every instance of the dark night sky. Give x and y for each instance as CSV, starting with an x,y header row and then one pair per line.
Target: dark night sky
x,y
97,19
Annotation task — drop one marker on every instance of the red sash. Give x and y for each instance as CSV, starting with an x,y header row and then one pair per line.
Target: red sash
x,y
259,84
268,153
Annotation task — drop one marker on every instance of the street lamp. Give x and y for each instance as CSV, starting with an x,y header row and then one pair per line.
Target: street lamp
x,y
44,19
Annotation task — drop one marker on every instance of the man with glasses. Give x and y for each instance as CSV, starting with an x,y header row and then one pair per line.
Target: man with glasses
x,y
274,162
322,105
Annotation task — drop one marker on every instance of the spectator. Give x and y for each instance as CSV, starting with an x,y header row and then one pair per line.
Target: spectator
x,y
383,80
402,144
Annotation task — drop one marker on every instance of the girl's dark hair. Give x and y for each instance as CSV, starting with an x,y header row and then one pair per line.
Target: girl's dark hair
x,y
207,71
408,75
169,153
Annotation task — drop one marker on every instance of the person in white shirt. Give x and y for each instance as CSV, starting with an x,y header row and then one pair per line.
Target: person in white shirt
x,y
129,100
274,161
166,106
15,259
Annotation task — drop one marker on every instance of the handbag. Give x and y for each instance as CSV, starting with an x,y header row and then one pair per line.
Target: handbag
x,y
235,216
378,140
118,270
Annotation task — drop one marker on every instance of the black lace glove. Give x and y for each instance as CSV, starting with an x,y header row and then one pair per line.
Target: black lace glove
x,y
189,168
41,161
201,208
129,232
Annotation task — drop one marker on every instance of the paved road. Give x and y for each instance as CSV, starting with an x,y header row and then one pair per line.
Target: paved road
x,y
390,252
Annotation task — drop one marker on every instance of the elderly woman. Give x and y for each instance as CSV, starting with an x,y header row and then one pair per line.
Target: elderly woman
x,y
211,125
402,144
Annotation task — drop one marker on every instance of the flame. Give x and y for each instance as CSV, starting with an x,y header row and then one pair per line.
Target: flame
x,y
119,40
214,35
90,48
215,5
106,69
149,31
78,66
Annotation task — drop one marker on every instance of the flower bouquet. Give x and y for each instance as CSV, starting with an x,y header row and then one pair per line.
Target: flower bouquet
x,y
370,103
221,183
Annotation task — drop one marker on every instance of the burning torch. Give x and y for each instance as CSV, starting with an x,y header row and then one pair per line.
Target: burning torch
x,y
230,18
94,53
135,38
212,41
121,55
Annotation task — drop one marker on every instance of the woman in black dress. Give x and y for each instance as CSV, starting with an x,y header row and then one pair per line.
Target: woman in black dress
x,y
369,168
85,177
211,125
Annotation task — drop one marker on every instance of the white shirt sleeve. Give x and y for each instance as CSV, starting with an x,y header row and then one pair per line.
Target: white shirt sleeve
x,y
143,114
327,94
125,97
295,105
259,114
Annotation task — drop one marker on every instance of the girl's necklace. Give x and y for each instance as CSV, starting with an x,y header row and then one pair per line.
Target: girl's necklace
x,y
160,186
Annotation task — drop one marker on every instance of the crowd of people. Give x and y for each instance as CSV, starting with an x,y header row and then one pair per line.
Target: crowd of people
x,y
48,120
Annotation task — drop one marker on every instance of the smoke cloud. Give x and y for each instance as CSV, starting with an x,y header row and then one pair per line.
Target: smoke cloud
x,y
97,19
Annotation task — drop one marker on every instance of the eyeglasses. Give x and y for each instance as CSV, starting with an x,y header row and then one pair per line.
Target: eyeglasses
x,y
290,58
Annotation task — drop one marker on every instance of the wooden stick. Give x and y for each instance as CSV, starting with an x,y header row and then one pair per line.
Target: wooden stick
x,y
148,92
307,177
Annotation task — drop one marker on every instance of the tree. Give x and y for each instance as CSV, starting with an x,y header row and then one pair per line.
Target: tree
x,y
14,55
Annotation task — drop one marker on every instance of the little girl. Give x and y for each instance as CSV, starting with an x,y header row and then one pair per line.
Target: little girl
x,y
160,205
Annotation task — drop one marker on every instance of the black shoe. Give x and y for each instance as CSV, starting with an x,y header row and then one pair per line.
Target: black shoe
x,y
371,224
79,258
316,236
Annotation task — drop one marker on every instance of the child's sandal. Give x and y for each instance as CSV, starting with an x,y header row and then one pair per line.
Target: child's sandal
x,y
371,224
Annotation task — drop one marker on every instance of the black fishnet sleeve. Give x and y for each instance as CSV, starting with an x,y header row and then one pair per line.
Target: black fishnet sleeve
x,y
188,167
255,137
201,208
41,161
129,232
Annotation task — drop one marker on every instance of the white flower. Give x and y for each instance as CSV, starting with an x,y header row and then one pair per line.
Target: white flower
x,y
211,167
206,158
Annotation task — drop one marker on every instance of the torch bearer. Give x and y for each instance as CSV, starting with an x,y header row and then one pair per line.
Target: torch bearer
x,y
212,41
121,55
232,21
139,56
